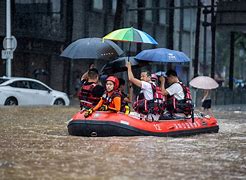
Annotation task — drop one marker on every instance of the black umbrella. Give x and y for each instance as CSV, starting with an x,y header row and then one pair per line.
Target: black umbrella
x,y
92,48
119,65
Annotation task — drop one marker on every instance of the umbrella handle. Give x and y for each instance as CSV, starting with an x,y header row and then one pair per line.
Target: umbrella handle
x,y
129,51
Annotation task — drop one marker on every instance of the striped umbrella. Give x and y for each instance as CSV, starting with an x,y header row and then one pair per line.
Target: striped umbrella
x,y
130,35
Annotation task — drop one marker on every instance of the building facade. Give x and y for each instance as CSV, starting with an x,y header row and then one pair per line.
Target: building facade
x,y
43,28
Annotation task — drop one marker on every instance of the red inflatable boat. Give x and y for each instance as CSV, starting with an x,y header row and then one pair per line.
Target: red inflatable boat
x,y
102,123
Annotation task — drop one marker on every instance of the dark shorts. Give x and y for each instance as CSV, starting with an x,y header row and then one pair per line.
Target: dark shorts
x,y
207,104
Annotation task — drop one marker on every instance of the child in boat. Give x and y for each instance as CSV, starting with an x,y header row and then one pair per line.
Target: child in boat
x,y
111,99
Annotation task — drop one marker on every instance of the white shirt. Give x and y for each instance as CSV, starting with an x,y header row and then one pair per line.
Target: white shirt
x,y
146,89
176,90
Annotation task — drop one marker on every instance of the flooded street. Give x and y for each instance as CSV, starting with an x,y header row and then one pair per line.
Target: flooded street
x,y
34,144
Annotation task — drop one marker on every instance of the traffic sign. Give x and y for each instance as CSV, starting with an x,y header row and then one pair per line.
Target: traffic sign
x,y
13,43
7,54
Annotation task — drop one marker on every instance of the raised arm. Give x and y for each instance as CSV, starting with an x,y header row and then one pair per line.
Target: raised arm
x,y
84,76
164,91
131,77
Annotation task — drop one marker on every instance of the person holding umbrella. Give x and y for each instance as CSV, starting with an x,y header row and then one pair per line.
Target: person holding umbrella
x,y
144,103
85,75
91,91
205,83
206,100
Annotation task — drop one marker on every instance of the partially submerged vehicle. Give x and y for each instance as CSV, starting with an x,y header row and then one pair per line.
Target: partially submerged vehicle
x,y
105,123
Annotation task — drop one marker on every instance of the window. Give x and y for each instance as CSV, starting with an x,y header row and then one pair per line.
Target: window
x,y
98,4
20,84
41,6
163,13
114,5
148,13
38,86
3,80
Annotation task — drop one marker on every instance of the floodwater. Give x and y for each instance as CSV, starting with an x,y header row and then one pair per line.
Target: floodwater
x,y
34,144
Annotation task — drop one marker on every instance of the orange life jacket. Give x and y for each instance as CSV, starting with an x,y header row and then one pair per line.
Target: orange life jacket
x,y
108,101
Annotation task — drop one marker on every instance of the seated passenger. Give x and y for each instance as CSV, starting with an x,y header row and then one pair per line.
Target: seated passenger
x,y
90,92
125,98
85,75
145,100
111,99
178,95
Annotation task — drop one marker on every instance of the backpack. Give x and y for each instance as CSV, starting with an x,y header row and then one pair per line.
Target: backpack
x,y
158,100
181,106
154,106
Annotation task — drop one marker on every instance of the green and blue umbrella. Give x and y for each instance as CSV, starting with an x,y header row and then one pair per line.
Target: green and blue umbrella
x,y
130,35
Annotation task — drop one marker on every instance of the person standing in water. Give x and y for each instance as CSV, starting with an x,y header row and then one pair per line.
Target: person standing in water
x,y
206,101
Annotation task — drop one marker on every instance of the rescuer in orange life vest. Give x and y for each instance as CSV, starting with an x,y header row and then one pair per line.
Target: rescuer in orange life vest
x,y
91,91
111,99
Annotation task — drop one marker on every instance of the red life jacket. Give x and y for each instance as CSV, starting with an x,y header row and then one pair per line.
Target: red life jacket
x,y
87,100
154,106
180,106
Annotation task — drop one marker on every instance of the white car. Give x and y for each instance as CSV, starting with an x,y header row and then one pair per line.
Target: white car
x,y
27,91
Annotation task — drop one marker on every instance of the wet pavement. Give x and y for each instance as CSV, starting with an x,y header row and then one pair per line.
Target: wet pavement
x,y
34,144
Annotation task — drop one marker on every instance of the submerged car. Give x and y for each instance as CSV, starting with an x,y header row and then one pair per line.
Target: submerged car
x,y
27,91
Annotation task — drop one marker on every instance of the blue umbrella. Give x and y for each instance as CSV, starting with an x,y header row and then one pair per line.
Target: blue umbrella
x,y
162,55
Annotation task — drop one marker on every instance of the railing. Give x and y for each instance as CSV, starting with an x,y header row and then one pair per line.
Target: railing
x,y
222,96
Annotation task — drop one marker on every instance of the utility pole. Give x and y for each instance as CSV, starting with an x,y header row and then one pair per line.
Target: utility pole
x,y
8,37
9,42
